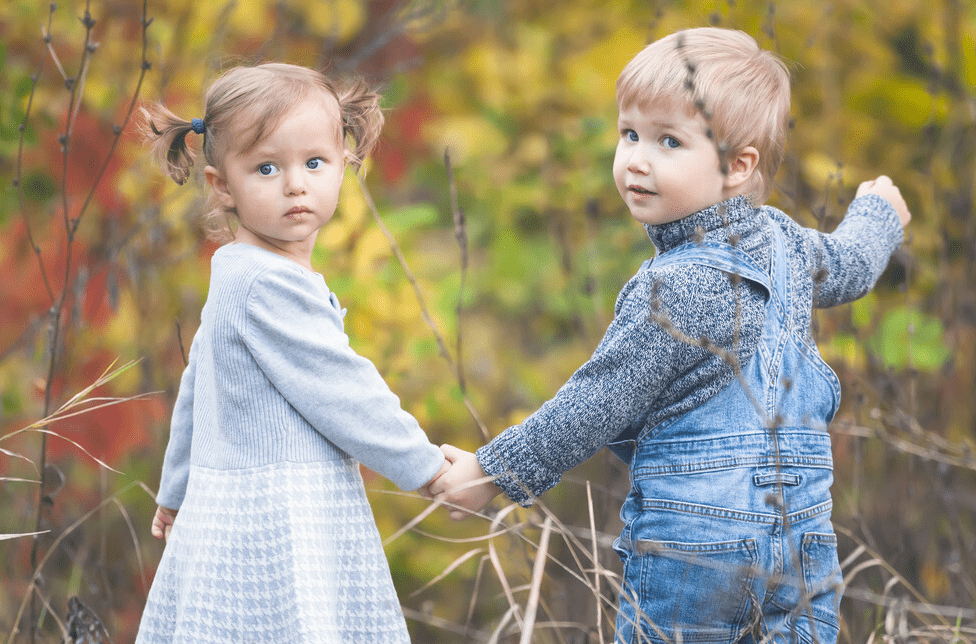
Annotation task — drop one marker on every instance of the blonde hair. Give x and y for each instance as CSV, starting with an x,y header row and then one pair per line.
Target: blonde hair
x,y
741,90
258,96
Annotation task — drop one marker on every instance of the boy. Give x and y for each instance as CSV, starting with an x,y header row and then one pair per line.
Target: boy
x,y
708,382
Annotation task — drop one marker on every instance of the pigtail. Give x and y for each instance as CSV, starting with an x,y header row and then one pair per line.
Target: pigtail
x,y
166,134
362,119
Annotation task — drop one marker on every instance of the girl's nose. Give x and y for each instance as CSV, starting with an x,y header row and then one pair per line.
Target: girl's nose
x,y
294,183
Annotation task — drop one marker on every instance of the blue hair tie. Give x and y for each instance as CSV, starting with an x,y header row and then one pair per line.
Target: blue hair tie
x,y
197,126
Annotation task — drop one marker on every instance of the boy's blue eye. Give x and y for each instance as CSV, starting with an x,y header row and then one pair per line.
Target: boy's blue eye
x,y
313,164
267,169
670,142
631,136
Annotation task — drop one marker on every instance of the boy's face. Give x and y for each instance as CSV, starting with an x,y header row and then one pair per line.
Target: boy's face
x,y
666,166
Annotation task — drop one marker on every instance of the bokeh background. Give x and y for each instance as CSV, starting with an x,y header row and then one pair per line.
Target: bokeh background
x,y
507,245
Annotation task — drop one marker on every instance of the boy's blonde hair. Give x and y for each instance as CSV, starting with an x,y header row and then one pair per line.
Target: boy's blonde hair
x,y
742,91
258,96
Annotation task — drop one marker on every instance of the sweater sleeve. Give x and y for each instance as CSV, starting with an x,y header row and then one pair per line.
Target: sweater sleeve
x,y
296,336
846,264
176,462
639,356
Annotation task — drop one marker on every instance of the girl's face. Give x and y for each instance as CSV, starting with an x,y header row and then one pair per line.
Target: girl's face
x,y
285,188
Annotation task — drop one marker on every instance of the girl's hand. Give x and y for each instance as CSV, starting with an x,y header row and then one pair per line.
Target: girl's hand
x,y
162,523
425,490
884,188
465,485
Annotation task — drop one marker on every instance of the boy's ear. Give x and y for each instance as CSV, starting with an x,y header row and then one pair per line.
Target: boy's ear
x,y
218,184
741,167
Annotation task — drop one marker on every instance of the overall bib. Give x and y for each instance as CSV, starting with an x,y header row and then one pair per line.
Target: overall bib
x,y
727,534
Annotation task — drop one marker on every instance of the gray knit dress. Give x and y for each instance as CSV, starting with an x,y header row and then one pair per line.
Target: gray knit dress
x,y
275,540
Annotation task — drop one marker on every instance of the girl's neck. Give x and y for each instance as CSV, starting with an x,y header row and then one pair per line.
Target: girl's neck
x,y
301,254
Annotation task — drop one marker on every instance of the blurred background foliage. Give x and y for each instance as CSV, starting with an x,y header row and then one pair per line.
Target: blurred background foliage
x,y
519,96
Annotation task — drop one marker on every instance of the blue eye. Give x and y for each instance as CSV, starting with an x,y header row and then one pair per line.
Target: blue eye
x,y
267,169
313,164
631,136
670,142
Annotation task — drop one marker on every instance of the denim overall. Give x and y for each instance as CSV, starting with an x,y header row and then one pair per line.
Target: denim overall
x,y
727,534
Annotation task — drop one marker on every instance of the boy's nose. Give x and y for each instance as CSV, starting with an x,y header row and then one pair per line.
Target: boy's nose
x,y
639,163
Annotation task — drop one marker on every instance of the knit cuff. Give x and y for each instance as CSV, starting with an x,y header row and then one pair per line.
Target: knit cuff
x,y
520,474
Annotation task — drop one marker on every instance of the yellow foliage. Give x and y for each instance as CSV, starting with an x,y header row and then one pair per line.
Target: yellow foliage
x,y
372,248
335,19
820,170
589,74
465,136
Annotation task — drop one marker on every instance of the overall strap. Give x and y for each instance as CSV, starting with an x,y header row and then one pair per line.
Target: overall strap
x,y
779,269
718,255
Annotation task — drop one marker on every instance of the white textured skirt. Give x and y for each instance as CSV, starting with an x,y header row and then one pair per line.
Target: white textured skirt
x,y
287,552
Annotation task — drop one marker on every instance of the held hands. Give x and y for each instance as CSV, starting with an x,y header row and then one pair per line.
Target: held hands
x,y
884,188
464,485
162,523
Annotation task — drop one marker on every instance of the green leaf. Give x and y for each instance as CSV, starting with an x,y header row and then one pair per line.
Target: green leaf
x,y
910,338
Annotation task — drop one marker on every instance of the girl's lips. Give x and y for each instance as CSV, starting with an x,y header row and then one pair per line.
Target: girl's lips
x,y
297,209
640,191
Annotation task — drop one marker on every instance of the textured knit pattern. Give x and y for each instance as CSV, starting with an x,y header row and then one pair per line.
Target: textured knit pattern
x,y
645,370
275,540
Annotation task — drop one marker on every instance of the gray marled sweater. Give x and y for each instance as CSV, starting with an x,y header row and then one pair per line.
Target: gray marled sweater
x,y
641,373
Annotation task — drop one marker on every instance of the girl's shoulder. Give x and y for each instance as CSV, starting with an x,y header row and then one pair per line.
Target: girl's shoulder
x,y
244,272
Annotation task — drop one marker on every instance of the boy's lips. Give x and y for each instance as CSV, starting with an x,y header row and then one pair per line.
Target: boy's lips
x,y
640,191
297,210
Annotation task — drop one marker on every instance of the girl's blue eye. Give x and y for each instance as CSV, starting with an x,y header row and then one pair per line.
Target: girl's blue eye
x,y
631,136
313,164
267,169
670,142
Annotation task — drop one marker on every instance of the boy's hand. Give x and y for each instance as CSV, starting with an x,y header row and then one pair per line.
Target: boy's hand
x,y
884,188
162,523
465,485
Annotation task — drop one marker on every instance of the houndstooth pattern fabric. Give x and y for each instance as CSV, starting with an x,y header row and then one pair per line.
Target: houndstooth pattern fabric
x,y
287,552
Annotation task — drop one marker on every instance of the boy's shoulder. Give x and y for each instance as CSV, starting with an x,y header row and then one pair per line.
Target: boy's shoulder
x,y
674,283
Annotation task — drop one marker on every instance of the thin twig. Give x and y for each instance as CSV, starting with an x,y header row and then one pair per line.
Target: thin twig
x,y
538,572
424,311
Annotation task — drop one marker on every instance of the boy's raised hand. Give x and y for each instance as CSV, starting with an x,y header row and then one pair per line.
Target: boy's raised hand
x,y
884,188
465,485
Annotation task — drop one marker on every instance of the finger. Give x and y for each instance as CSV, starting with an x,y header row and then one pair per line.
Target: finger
x,y
458,515
451,453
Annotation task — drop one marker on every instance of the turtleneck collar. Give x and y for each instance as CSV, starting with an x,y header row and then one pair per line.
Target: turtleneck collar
x,y
719,222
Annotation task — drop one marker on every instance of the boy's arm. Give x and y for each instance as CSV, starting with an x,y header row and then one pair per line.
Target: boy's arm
x,y
846,264
636,362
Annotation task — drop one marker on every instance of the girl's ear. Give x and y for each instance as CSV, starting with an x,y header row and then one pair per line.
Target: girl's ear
x,y
741,167
219,186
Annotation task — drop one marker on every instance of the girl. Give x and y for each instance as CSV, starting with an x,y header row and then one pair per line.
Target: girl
x,y
269,534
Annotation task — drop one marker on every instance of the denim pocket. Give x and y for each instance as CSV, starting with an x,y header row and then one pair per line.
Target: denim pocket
x,y
823,584
690,592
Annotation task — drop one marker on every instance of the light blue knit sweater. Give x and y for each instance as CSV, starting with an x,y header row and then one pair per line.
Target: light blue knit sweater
x,y
271,375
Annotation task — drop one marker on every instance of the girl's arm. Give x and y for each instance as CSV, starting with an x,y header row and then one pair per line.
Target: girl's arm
x,y
176,463
296,335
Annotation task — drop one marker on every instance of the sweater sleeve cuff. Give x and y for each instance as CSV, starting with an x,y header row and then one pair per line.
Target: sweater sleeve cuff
x,y
519,473
880,209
